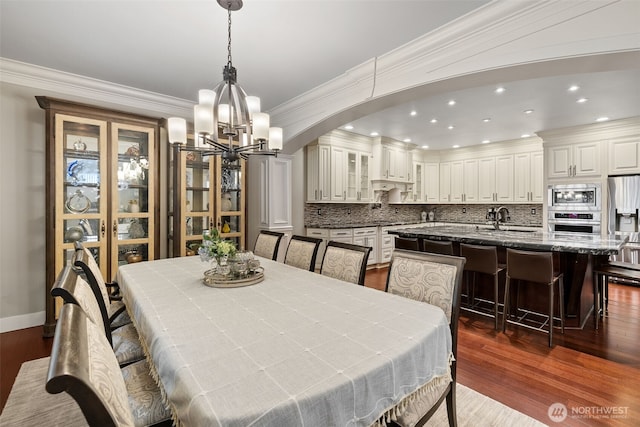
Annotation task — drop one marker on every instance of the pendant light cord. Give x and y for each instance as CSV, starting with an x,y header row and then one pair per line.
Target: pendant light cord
x,y
229,36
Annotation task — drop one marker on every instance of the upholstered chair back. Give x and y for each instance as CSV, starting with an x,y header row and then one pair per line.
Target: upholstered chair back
x,y
302,252
267,244
345,261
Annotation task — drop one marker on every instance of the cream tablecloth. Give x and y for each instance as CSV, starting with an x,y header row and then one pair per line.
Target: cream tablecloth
x,y
298,349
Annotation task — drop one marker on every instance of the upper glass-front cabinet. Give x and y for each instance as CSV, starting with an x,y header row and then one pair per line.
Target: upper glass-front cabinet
x,y
101,189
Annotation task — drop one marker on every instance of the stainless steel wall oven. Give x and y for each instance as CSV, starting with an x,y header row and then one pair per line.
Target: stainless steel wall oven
x,y
575,208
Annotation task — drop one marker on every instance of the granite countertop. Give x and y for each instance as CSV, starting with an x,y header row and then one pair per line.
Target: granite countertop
x,y
387,223
532,240
362,224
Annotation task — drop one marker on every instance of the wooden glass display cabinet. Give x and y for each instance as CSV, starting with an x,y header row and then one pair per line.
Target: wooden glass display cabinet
x,y
101,189
205,191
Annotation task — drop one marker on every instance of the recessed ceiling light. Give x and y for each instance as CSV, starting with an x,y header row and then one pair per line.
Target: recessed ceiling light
x,y
348,127
487,120
456,146
374,134
434,120
573,88
602,119
407,140
450,127
500,89
582,100
528,111
452,103
525,135
413,113
485,141
425,146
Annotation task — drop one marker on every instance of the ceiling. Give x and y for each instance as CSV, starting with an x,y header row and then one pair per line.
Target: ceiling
x,y
282,49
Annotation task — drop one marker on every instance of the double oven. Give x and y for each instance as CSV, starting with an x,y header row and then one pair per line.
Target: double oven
x,y
575,208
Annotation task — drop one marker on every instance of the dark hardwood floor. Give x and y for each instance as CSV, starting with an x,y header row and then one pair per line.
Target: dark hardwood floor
x,y
588,371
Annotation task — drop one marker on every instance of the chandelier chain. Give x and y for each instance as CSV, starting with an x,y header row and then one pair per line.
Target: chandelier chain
x,y
229,35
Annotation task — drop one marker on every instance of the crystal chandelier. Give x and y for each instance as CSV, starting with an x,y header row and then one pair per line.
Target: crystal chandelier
x,y
229,111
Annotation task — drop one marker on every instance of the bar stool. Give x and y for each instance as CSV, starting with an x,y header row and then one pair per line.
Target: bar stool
x,y
409,243
534,267
437,247
482,260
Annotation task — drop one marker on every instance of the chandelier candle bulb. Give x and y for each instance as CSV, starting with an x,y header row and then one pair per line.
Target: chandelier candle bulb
x,y
225,113
177,130
275,138
260,126
253,105
206,97
203,115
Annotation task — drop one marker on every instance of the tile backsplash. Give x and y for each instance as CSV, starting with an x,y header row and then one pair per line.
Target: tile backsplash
x,y
319,214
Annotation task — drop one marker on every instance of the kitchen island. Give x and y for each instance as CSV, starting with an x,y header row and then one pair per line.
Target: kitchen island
x,y
575,255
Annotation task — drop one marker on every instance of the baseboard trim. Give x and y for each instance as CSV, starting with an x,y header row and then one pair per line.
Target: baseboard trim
x,y
8,324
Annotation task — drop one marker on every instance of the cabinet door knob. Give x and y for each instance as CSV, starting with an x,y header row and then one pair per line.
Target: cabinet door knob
x,y
103,228
115,228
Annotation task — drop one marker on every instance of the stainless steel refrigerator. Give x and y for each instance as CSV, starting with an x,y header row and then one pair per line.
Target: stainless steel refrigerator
x,y
624,207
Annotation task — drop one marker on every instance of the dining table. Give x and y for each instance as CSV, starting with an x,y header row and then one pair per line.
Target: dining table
x,y
296,349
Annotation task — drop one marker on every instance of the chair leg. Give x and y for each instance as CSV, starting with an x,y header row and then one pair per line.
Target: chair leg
x,y
596,300
495,299
561,302
451,406
605,286
551,304
505,310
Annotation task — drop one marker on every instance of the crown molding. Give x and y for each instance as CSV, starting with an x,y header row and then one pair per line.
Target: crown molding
x,y
500,41
97,92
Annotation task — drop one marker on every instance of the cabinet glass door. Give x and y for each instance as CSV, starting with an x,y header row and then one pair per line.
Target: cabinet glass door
x,y
230,200
80,205
352,176
133,202
364,178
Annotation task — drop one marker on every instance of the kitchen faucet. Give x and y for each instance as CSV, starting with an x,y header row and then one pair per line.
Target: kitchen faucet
x,y
496,216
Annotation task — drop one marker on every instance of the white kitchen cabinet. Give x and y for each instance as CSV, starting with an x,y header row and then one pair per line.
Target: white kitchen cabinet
x,y
418,193
318,173
504,178
487,180
387,243
457,181
367,236
394,163
527,177
574,160
350,176
344,235
445,182
339,173
432,182
358,184
624,156
470,179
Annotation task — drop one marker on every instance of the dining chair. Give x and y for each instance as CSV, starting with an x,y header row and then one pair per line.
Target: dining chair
x,y
83,365
437,247
73,289
529,268
409,243
433,279
115,309
302,252
345,261
267,244
482,260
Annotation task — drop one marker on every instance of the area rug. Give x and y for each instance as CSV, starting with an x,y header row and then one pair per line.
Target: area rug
x,y
30,405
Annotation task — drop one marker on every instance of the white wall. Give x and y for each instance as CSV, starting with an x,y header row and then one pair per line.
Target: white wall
x,y
22,191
